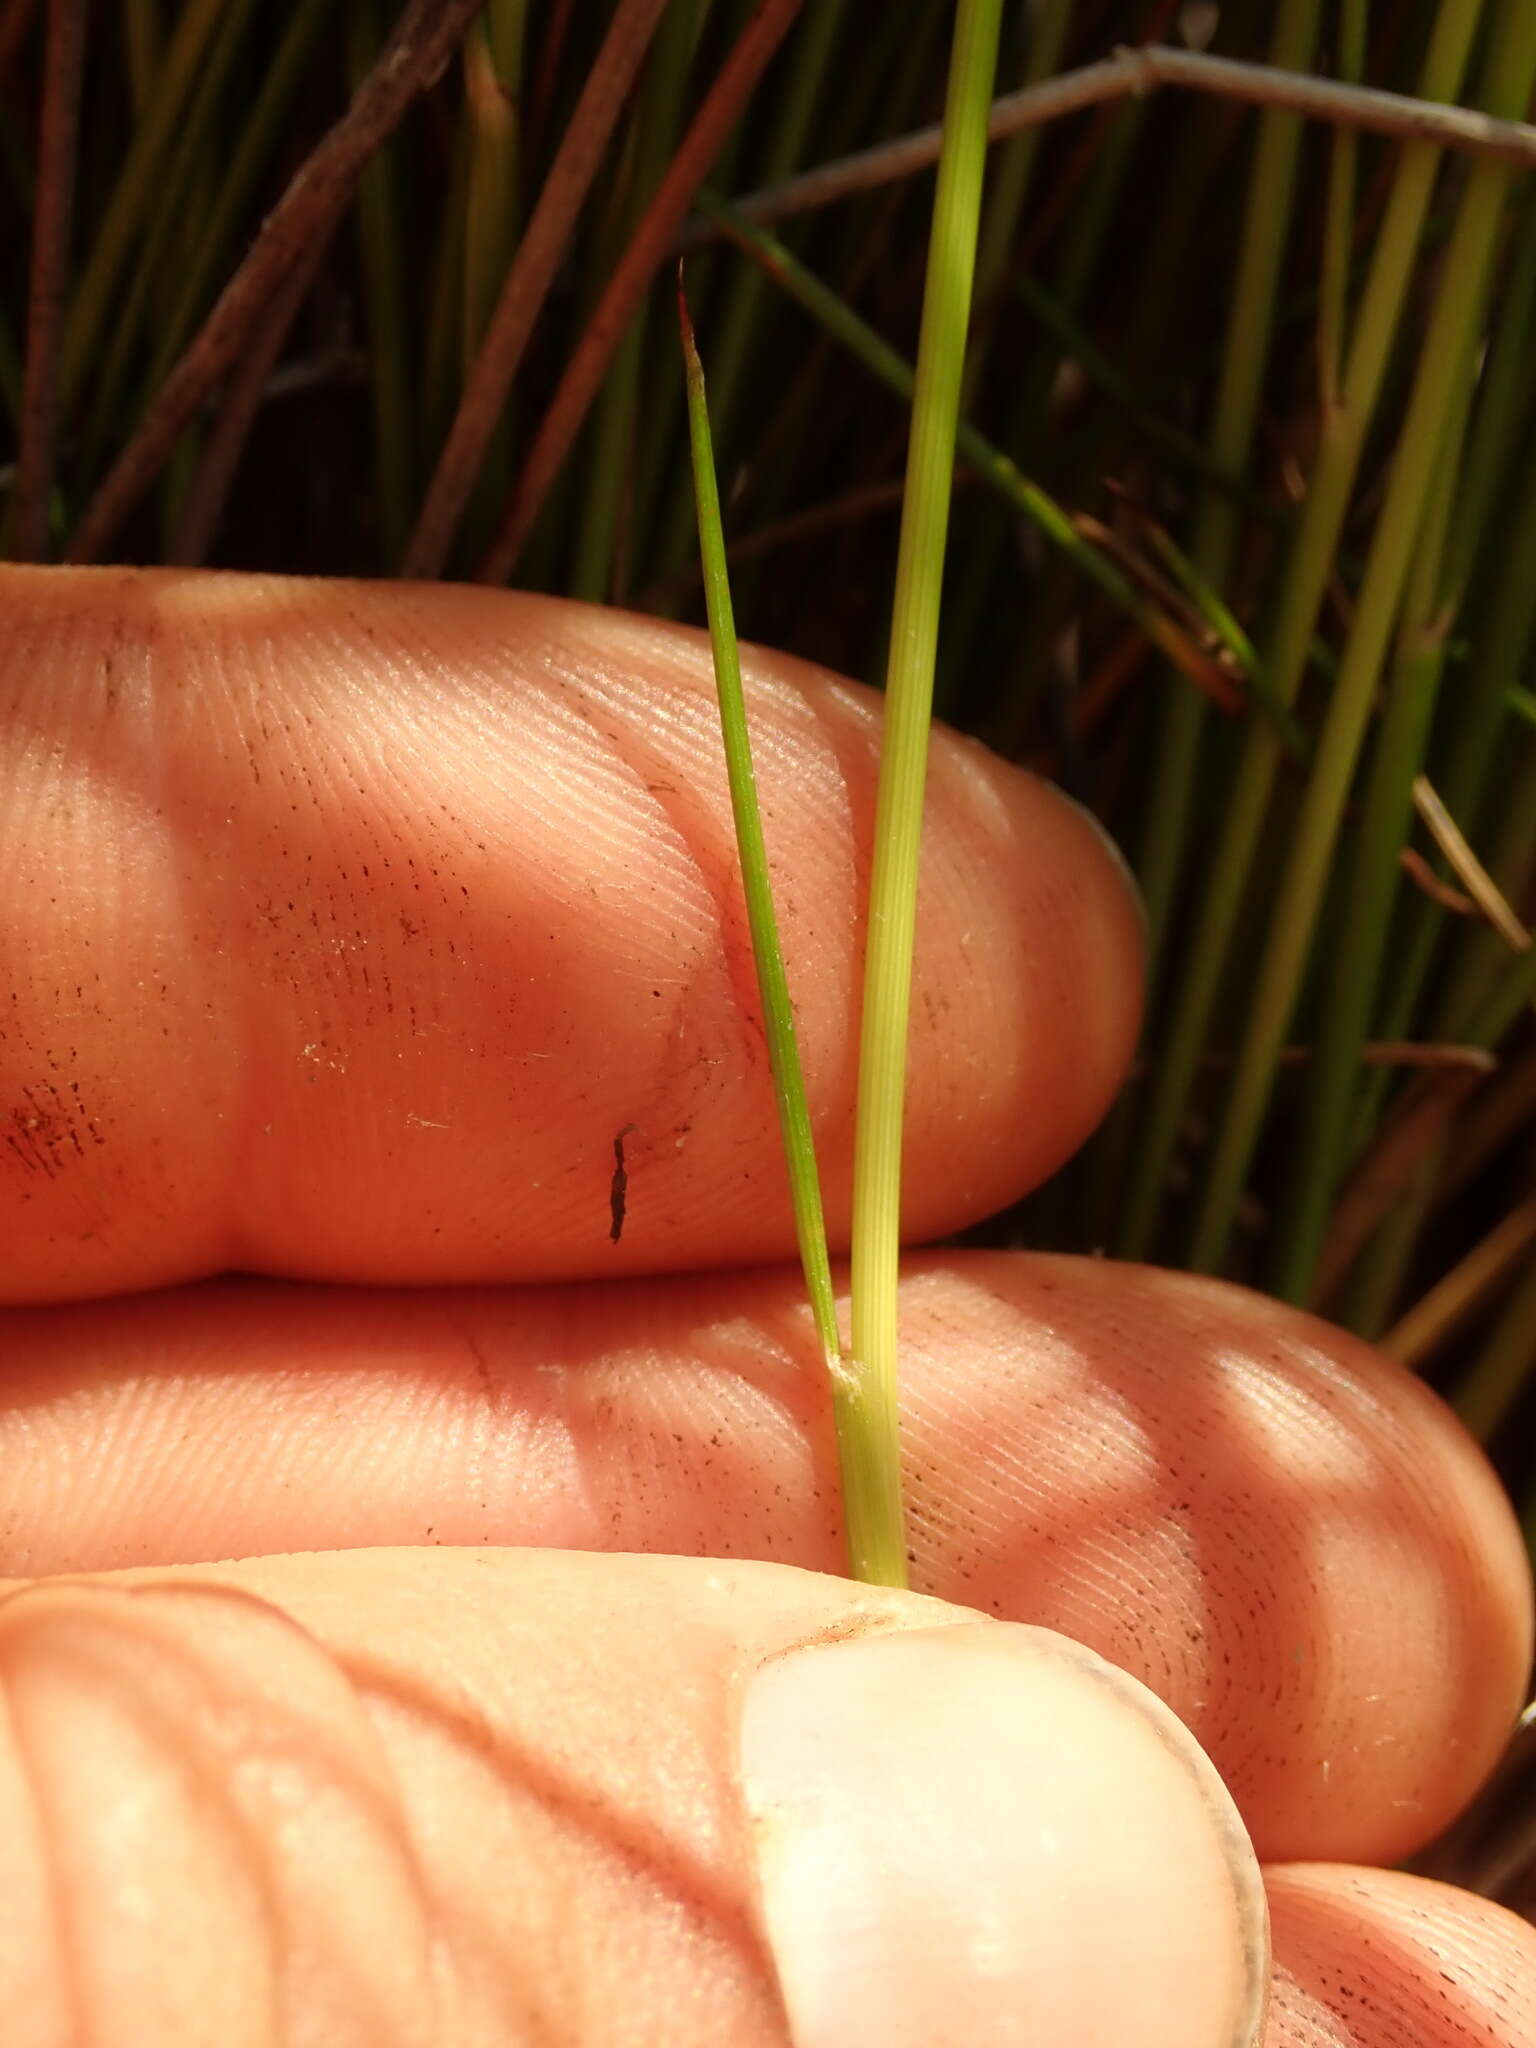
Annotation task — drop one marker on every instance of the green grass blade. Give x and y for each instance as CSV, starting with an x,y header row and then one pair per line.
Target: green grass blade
x,y
143,37
251,151
1334,1073
600,562
133,194
1339,211
996,469
491,201
1013,163
492,69
1499,453
909,698
1172,810
871,1480
1452,333
741,319
1288,644
381,248
142,303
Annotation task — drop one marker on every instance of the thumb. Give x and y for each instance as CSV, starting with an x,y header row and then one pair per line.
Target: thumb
x,y
445,1797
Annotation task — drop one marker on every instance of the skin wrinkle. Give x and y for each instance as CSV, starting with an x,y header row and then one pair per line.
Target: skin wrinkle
x,y
203,1674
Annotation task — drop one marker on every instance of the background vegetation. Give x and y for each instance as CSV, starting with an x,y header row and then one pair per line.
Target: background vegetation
x,y
1243,547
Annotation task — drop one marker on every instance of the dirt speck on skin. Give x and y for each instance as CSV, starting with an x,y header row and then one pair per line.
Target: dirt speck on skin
x,y
47,1133
618,1192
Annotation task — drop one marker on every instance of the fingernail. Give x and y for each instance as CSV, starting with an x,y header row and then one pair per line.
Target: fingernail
x,y
985,1834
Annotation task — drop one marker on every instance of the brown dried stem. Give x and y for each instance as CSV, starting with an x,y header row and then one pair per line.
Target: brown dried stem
x,y
653,237
57,152
527,284
1133,73
419,47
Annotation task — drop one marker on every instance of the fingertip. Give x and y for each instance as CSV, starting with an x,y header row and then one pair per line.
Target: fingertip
x,y
1364,1957
1290,1537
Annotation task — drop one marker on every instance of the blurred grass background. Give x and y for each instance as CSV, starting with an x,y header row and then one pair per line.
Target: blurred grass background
x,y
1244,538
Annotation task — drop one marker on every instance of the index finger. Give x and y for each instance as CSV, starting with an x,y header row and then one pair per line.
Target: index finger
x,y
367,932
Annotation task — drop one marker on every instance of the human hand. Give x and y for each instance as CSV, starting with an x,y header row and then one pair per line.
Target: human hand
x,y
345,930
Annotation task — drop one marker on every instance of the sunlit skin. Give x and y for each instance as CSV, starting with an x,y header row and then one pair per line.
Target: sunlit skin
x,y
348,933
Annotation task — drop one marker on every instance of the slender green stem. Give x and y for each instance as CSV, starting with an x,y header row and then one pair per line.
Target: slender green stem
x,y
490,225
1376,1283
610,469
1013,163
1172,812
381,236
1286,648
898,51
179,184
492,63
741,321
1499,454
443,354
1339,211
1447,349
131,192
1506,402
1512,992
260,132
871,1537
143,34
1022,493
1334,1072
909,697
